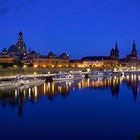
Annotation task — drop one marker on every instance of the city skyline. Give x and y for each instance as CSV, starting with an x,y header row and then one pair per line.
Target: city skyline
x,y
90,26
46,53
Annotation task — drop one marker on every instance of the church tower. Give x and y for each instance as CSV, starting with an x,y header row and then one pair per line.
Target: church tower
x,y
114,54
116,51
21,47
133,57
134,50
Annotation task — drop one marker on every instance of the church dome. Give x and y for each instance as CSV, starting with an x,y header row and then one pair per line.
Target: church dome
x,y
12,48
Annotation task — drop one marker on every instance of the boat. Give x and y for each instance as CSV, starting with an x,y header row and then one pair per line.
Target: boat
x,y
21,82
100,74
61,77
31,82
65,77
9,84
107,73
96,74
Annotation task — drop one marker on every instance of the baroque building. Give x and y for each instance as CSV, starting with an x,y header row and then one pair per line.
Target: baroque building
x,y
114,54
133,57
18,51
5,57
20,45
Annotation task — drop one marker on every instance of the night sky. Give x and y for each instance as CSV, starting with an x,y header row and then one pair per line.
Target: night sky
x,y
77,27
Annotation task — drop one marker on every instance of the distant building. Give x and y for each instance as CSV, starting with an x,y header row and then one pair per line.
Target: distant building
x,y
64,56
51,55
18,51
19,55
32,54
76,64
133,57
99,61
49,63
96,63
114,54
5,58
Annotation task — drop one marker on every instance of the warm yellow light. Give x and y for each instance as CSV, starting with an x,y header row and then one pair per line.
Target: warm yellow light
x,y
25,66
88,70
44,66
34,73
35,66
15,66
80,66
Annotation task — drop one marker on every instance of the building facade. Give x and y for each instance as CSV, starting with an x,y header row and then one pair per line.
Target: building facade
x,y
49,63
19,50
133,57
5,58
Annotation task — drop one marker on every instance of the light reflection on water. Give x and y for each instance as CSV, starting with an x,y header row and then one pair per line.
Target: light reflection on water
x,y
83,109
18,96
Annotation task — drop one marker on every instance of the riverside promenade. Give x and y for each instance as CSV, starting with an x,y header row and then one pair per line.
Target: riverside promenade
x,y
10,73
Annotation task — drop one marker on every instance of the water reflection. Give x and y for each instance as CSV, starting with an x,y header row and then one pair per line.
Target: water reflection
x,y
19,96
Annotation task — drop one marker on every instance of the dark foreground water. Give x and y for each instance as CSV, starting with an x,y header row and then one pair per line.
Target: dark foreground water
x,y
81,110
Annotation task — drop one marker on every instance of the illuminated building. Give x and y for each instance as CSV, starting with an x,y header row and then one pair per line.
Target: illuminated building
x,y
114,54
49,63
18,50
76,64
99,61
5,58
133,56
93,63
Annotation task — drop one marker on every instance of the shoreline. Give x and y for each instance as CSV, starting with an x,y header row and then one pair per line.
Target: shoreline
x,y
10,73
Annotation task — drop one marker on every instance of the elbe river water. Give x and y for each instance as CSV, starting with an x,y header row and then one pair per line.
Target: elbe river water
x,y
99,109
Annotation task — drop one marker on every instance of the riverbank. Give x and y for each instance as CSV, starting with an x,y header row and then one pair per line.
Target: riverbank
x,y
9,73
12,72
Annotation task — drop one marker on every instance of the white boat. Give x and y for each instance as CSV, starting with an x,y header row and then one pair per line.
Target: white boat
x,y
21,82
107,73
61,77
100,74
65,77
9,84
96,74
31,82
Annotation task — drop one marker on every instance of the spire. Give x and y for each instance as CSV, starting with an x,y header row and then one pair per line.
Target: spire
x,y
112,53
134,46
29,50
20,37
116,51
116,47
134,50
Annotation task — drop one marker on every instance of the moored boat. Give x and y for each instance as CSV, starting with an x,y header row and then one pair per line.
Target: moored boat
x,y
21,82
9,84
96,74
100,74
65,77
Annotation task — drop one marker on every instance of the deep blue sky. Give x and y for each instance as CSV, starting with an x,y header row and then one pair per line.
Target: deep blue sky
x,y
78,27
